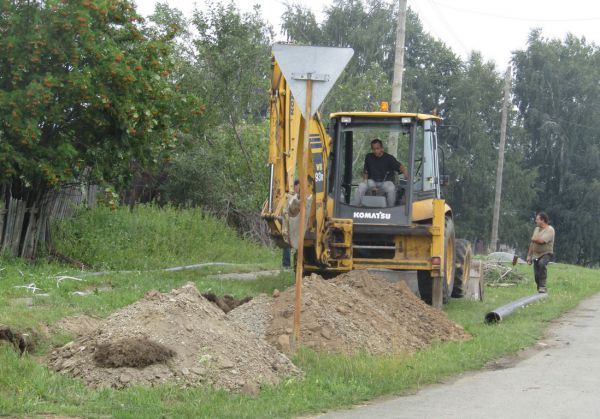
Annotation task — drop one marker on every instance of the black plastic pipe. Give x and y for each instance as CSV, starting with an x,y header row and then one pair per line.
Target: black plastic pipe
x,y
501,312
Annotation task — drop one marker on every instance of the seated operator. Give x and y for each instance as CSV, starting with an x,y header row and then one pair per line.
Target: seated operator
x,y
379,169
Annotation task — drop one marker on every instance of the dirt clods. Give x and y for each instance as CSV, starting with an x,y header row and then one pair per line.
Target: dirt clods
x,y
21,342
131,353
207,348
354,312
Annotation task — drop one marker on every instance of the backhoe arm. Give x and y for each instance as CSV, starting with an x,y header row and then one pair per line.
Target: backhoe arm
x,y
285,152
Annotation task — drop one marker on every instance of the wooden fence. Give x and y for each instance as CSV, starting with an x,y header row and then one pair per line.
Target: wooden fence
x,y
23,229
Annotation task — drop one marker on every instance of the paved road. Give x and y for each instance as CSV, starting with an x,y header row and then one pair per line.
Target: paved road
x,y
558,378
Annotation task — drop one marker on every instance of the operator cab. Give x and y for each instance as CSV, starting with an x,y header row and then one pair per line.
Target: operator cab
x,y
409,138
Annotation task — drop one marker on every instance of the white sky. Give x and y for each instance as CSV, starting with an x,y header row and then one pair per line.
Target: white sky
x,y
494,28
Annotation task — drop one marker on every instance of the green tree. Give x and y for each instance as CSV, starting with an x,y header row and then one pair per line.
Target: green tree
x,y
359,91
430,70
300,25
221,165
84,88
369,27
472,112
466,94
558,97
234,57
211,174
473,119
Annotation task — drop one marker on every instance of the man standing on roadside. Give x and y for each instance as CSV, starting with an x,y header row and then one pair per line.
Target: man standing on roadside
x,y
541,249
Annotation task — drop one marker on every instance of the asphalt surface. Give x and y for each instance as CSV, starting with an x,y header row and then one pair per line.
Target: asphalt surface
x,y
558,378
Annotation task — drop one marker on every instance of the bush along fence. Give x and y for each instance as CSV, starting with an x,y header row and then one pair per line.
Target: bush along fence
x,y
25,224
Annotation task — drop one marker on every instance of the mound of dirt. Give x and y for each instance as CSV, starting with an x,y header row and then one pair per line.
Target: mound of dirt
x,y
131,353
207,349
355,311
77,325
254,316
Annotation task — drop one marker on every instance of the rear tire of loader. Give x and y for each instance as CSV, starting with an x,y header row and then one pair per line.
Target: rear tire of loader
x,y
463,268
424,279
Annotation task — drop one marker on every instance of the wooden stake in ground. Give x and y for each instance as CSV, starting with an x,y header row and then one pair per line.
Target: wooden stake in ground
x,y
500,168
302,219
301,66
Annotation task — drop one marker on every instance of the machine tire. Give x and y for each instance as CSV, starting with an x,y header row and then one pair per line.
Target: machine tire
x,y
463,267
424,277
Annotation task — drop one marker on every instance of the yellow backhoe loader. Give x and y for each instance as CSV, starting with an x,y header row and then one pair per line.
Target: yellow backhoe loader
x,y
345,229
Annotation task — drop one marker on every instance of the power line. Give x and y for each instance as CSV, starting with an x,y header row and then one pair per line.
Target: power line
x,y
515,18
423,17
450,30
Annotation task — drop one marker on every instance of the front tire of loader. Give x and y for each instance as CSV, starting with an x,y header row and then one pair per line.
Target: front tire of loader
x,y
424,279
463,268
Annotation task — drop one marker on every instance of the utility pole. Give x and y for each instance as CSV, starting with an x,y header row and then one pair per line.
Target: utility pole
x,y
398,72
399,57
500,168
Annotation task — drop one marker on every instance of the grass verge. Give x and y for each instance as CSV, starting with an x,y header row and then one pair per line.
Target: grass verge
x,y
149,237
331,381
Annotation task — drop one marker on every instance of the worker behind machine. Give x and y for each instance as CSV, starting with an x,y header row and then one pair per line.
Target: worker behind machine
x,y
378,173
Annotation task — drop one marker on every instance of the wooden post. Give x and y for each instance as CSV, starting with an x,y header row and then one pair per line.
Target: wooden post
x,y
18,227
500,167
3,212
399,57
392,146
302,216
8,225
29,244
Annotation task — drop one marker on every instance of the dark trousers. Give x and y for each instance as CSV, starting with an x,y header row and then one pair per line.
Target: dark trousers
x,y
539,270
286,257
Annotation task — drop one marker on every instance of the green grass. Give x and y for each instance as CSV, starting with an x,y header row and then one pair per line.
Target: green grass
x,y
27,387
149,237
331,381
125,288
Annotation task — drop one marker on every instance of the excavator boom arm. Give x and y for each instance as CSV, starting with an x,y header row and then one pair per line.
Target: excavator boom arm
x,y
285,153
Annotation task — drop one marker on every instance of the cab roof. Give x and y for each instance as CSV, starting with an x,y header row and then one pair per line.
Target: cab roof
x,y
419,116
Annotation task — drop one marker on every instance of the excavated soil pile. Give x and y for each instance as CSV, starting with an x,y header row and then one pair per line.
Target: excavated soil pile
x,y
356,311
173,337
76,325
